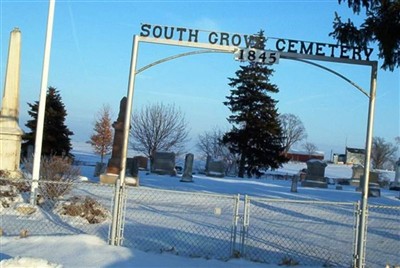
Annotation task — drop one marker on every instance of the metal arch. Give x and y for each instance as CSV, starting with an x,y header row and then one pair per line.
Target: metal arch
x,y
360,255
178,56
218,51
335,73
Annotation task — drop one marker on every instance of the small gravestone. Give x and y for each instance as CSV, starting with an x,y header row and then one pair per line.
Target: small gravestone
x,y
374,190
100,168
187,170
315,176
357,174
215,169
358,171
373,185
142,162
395,185
302,174
231,168
208,160
293,188
164,163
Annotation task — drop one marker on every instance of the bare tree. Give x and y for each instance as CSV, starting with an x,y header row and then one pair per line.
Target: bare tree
x,y
158,127
293,130
209,143
310,148
102,137
382,152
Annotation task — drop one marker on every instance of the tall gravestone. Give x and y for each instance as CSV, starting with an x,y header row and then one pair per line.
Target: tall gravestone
x,y
114,164
10,132
188,169
132,167
315,176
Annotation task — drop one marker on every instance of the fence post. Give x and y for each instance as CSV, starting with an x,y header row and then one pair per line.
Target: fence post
x,y
246,222
357,215
117,219
235,220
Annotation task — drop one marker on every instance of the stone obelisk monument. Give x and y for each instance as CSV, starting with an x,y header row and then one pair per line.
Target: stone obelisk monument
x,y
10,132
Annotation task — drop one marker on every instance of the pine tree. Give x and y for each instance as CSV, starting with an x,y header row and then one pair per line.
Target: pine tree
x,y
102,138
56,135
381,26
256,133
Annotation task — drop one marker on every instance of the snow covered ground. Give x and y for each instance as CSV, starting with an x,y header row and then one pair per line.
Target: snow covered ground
x,y
90,251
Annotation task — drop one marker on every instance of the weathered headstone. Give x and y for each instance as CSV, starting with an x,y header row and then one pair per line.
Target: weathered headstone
x,y
132,167
10,132
315,176
358,171
208,160
142,162
164,163
215,169
132,172
293,188
373,185
357,174
100,168
395,185
188,168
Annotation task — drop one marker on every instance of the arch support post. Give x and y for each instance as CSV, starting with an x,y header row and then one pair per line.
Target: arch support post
x,y
362,228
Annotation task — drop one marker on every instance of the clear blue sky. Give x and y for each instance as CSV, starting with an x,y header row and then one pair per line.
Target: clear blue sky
x,y
91,49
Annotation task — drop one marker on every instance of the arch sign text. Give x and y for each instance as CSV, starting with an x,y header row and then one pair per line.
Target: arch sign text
x,y
247,44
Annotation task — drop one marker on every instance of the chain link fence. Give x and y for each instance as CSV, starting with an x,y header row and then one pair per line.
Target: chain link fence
x,y
291,232
82,208
275,231
181,223
383,236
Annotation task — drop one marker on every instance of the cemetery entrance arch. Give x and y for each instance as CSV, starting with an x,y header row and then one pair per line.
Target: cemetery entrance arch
x,y
243,48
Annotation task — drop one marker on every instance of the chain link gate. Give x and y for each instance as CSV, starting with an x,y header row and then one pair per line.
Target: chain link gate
x,y
382,249
187,224
289,232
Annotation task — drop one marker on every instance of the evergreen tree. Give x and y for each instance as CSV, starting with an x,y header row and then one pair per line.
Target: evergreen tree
x,y
256,133
56,135
102,138
382,25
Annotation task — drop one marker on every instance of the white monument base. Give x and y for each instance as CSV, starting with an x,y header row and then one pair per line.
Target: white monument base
x,y
10,153
109,178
